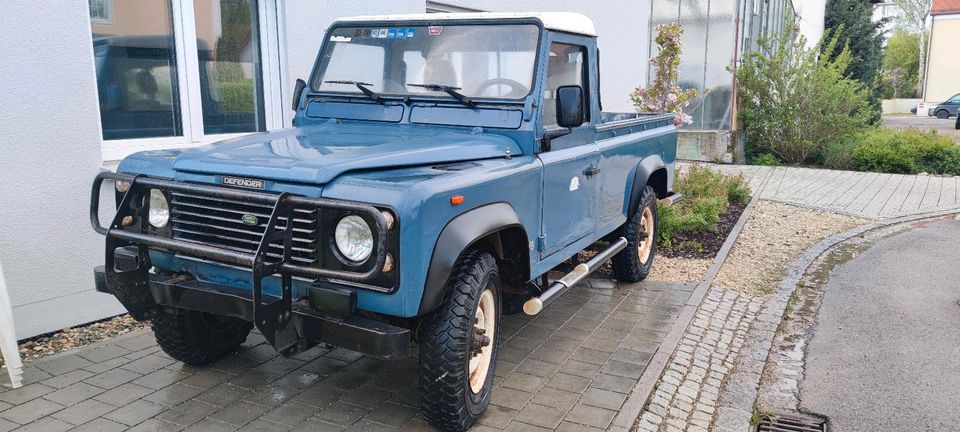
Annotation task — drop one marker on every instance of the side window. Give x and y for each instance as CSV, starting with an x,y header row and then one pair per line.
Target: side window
x,y
567,66
954,100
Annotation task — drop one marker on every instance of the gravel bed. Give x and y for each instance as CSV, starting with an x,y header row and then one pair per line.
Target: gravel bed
x,y
679,269
775,234
73,337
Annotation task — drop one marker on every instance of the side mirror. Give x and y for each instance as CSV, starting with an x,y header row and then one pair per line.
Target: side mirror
x,y
569,106
297,92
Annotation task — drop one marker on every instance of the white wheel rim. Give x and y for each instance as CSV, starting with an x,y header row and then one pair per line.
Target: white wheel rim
x,y
486,319
645,246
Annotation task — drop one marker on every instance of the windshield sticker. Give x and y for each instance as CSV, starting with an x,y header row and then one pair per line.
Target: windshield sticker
x,y
392,33
339,39
411,32
434,30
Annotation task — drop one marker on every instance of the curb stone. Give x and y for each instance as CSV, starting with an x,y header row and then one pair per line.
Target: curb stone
x,y
740,395
629,415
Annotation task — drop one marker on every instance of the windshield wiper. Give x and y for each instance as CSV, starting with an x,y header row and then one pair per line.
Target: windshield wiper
x,y
450,90
362,86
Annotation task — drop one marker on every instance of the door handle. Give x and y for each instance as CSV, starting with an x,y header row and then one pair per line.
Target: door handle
x,y
591,171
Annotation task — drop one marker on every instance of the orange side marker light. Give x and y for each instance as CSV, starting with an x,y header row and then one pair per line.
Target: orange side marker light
x,y
456,200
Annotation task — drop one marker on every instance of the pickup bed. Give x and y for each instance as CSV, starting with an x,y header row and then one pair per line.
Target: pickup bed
x,y
438,167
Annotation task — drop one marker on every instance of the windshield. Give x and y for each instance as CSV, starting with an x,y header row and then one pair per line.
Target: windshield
x,y
482,61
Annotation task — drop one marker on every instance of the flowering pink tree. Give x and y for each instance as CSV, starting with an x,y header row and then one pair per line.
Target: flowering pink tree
x,y
664,95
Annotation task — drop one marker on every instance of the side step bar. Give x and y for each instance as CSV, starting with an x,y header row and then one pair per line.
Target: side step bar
x,y
560,286
671,199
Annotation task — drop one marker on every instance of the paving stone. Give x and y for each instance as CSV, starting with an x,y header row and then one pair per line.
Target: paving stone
x,y
271,396
240,413
205,378
591,356
30,411
135,412
104,366
26,393
497,416
260,425
524,382
317,425
603,398
187,413
49,424
581,369
173,394
591,416
112,378
568,382
540,415
62,364
221,395
136,342
123,394
318,396
74,393
155,425
509,398
63,380
538,367
210,425
391,415
366,396
103,352
341,413
622,369
556,398
290,413
83,412
160,378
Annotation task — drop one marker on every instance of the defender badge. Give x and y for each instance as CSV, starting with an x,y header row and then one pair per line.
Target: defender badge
x,y
249,220
242,182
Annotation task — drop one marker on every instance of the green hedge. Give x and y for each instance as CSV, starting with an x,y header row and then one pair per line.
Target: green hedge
x,y
906,151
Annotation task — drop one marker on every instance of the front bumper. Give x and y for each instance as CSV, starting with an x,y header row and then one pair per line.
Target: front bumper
x,y
289,324
337,323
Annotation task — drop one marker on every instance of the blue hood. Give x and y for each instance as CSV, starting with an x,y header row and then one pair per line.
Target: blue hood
x,y
318,154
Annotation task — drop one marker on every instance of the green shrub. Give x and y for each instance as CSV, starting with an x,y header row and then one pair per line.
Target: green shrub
x,y
706,195
236,96
765,159
839,154
793,100
907,151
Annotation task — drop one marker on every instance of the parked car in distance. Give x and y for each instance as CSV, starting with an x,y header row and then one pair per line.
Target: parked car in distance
x,y
438,167
946,109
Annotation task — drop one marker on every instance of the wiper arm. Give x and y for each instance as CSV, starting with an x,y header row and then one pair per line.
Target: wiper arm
x,y
450,90
362,86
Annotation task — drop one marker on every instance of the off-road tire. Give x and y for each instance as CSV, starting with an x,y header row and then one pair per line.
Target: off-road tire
x,y
627,265
943,114
446,398
197,338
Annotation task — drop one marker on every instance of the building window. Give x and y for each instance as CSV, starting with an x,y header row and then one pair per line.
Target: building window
x,y
177,73
100,11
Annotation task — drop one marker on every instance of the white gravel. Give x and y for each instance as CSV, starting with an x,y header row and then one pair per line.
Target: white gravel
x,y
679,269
774,235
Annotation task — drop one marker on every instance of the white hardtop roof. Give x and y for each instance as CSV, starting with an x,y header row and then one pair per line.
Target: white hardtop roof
x,y
570,22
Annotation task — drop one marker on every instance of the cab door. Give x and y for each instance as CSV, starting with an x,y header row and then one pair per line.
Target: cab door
x,y
570,187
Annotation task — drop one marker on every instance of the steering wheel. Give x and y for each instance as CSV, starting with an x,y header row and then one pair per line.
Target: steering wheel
x,y
517,90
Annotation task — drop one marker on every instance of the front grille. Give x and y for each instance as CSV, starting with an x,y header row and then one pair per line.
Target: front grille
x,y
218,222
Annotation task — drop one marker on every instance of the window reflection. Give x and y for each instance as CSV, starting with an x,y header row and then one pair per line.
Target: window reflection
x,y
136,69
228,48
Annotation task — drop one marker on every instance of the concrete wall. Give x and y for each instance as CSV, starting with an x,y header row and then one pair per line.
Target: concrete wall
x,y
51,151
899,106
623,28
306,21
943,64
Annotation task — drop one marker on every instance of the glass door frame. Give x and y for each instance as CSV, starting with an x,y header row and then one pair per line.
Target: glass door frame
x,y
188,83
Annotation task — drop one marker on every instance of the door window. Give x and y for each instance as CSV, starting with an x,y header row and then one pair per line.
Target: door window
x,y
567,66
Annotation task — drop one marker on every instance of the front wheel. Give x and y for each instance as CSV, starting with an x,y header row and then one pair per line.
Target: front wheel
x,y
633,264
198,338
459,345
943,114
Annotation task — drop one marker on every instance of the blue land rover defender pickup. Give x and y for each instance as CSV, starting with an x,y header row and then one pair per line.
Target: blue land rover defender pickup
x,y
437,168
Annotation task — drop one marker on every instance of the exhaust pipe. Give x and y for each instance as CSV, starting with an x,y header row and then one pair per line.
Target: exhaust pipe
x,y
558,287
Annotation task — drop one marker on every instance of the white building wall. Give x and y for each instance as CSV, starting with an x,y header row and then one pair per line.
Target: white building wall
x,y
623,32
810,15
51,151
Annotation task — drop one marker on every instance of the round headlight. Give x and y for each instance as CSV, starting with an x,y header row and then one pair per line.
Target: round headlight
x,y
159,209
354,238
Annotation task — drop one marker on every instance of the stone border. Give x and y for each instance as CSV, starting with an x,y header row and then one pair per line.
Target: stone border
x,y
739,395
643,389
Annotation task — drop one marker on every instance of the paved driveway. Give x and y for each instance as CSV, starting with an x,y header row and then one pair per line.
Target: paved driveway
x,y
942,126
884,354
571,368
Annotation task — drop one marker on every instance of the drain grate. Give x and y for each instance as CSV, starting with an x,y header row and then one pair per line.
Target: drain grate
x,y
788,423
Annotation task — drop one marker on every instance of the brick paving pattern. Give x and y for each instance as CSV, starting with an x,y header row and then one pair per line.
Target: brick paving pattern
x,y
686,397
571,368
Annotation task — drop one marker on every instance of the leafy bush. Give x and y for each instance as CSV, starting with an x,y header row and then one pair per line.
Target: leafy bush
x,y
906,151
765,159
793,100
839,154
236,96
706,195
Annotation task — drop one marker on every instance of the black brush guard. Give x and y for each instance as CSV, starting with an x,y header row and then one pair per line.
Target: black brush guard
x,y
289,326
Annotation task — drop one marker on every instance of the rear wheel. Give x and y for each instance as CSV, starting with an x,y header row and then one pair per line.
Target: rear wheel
x,y
633,264
942,114
198,338
459,346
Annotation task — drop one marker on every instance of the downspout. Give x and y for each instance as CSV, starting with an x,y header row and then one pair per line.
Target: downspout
x,y
8,337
